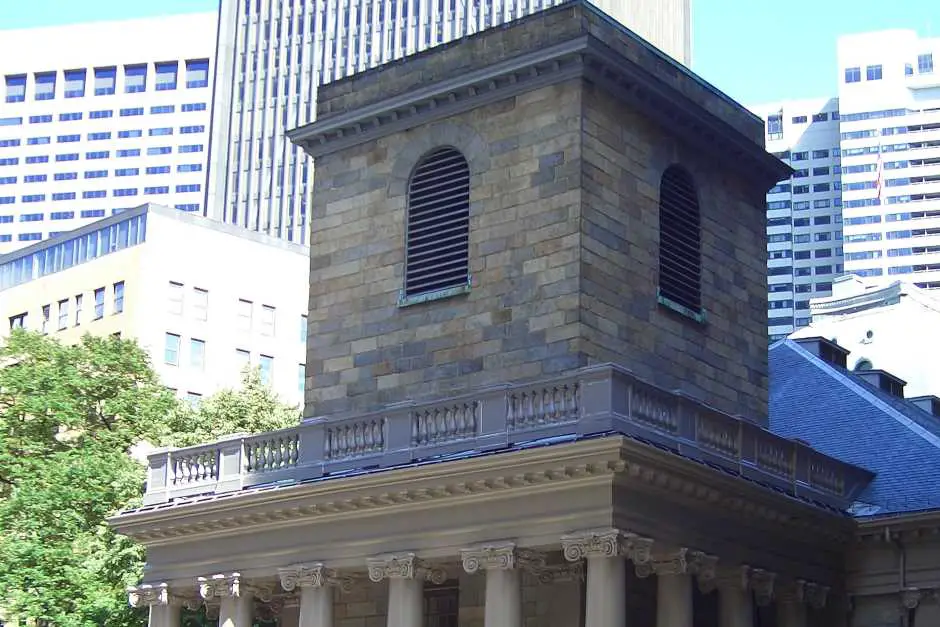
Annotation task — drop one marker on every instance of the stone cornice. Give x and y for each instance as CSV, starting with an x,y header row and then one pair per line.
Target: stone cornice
x,y
888,528
583,56
545,469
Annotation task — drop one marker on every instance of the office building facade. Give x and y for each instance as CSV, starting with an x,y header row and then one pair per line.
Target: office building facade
x,y
889,94
273,54
804,230
113,115
152,273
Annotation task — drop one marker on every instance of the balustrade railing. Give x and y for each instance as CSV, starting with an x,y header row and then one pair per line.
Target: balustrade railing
x,y
596,400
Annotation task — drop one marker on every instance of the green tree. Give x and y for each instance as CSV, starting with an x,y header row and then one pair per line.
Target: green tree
x,y
69,415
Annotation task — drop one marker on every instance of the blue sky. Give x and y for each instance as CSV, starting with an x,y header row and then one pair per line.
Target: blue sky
x,y
754,50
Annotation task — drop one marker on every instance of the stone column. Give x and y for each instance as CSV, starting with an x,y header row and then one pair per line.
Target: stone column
x,y
406,575
503,606
164,607
734,597
237,598
673,589
316,584
606,574
791,606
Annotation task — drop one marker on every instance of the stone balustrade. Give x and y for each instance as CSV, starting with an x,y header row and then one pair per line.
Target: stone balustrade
x,y
594,401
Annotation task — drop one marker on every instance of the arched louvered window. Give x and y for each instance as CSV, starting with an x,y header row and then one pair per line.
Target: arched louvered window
x,y
680,254
437,256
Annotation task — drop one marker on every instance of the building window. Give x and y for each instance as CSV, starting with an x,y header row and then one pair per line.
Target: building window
x,y
873,72
197,73
925,63
104,80
680,256
45,86
63,314
46,313
442,605
200,304
16,89
820,117
301,377
268,314
78,309
303,330
171,349
99,303
266,363
437,256
175,298
135,79
197,354
18,321
166,75
242,359
244,314
853,74
119,297
74,83
775,126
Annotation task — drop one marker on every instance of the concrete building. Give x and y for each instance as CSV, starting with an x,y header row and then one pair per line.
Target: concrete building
x,y
536,376
883,326
889,95
153,273
804,211
273,54
113,115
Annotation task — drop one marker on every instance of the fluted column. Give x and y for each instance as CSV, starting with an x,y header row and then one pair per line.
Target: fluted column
x,y
406,575
735,608
606,574
236,595
164,607
316,583
500,562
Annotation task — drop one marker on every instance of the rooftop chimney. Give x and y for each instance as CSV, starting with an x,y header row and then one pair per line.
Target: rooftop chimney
x,y
884,381
827,350
929,403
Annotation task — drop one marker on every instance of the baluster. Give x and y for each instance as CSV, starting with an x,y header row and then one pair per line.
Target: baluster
x,y
511,411
378,434
416,428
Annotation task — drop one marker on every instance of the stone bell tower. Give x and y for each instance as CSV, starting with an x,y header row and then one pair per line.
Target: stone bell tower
x,y
536,198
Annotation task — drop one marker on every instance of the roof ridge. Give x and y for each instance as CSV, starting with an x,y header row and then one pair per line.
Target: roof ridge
x,y
860,390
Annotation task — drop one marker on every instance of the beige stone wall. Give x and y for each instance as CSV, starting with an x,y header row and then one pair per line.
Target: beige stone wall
x,y
723,362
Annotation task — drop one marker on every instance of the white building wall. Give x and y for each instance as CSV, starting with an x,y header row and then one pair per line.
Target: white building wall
x,y
889,90
36,134
272,55
804,231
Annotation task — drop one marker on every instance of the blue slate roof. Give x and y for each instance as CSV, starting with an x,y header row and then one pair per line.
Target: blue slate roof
x,y
843,416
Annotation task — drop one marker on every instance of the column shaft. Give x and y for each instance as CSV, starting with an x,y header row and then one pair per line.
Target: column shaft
x,y
735,607
791,614
405,602
236,611
503,598
674,601
164,616
316,606
606,589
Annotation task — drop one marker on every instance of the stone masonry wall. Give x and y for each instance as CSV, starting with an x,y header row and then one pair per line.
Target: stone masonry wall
x,y
520,320
723,362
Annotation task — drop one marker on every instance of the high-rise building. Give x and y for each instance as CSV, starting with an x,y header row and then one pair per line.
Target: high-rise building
x,y
99,117
889,94
804,230
273,54
152,273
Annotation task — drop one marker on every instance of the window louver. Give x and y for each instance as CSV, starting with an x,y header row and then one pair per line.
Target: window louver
x,y
680,257
438,239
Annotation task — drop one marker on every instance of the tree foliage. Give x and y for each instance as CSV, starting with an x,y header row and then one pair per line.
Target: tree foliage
x,y
69,415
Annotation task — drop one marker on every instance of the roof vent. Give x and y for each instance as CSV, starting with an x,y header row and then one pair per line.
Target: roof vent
x,y
884,381
827,350
930,404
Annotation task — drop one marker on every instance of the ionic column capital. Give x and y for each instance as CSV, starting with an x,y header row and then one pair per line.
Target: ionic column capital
x,y
705,569
791,592
314,575
816,594
606,543
232,586
502,556
911,598
404,566
762,584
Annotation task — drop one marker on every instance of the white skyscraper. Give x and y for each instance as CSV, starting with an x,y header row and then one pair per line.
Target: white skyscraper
x,y
272,55
889,93
99,117
804,230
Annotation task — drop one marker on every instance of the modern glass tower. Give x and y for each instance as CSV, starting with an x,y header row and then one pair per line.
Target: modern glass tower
x,y
272,55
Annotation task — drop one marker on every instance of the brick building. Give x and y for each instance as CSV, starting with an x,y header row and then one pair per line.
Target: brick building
x,y
536,372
